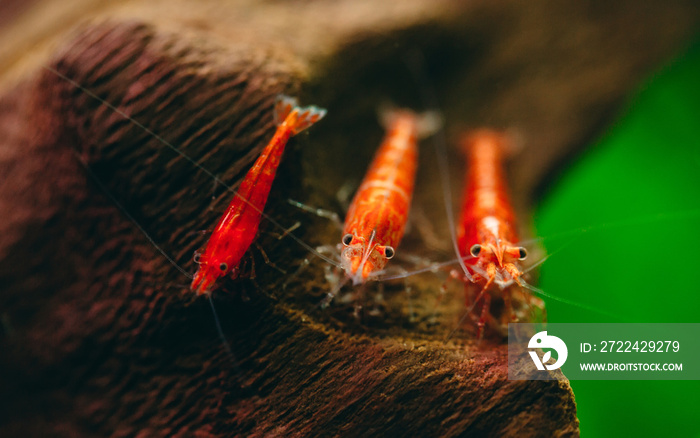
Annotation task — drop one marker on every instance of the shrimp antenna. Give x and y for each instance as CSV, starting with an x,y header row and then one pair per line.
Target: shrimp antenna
x,y
542,293
546,257
433,266
650,218
112,198
129,216
415,62
227,345
539,262
189,159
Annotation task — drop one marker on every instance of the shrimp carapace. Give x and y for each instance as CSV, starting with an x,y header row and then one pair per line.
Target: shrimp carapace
x,y
238,227
376,219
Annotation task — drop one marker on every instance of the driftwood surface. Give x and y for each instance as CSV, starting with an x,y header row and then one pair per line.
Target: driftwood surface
x,y
98,334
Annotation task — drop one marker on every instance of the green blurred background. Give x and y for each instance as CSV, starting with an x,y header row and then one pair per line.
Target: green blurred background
x,y
621,228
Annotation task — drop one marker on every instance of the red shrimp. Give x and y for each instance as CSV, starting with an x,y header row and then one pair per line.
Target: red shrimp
x,y
487,227
376,219
238,227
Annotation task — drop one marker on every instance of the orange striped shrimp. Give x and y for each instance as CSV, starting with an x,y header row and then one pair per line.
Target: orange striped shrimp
x,y
377,216
237,228
486,233
376,219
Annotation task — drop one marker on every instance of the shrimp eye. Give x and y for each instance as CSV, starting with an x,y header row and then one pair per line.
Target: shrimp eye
x,y
223,267
347,239
523,253
475,250
389,252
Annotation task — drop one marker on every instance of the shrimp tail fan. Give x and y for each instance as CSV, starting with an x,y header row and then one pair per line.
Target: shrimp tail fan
x,y
427,123
305,116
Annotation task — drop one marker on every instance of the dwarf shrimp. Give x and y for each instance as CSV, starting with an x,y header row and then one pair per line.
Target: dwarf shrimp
x,y
238,227
486,232
376,219
378,213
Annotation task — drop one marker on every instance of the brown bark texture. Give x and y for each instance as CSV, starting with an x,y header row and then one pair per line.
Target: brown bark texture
x,y
107,122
